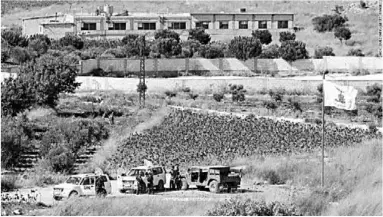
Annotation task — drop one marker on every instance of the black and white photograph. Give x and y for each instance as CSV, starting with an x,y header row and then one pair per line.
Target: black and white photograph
x,y
191,108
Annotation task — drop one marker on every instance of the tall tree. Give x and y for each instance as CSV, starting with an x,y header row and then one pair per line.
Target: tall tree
x,y
342,33
264,36
200,35
244,48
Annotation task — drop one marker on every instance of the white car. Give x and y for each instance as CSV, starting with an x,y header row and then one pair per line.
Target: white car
x,y
80,185
128,182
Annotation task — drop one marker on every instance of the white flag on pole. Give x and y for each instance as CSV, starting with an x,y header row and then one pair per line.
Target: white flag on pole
x,y
342,97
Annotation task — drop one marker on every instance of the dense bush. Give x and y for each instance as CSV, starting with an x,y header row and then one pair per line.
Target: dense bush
x,y
200,35
15,138
375,92
277,95
212,50
71,40
248,207
323,51
264,36
167,34
237,92
293,50
38,83
66,140
40,37
342,33
39,47
170,93
14,37
4,55
328,23
190,47
21,55
244,48
355,52
131,37
271,52
168,47
286,36
116,52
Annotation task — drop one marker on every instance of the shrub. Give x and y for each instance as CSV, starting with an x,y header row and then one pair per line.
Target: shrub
x,y
8,183
39,83
15,137
190,47
40,37
212,50
193,96
38,46
170,93
115,52
199,34
293,50
21,55
286,36
248,207
277,95
342,33
323,51
375,91
271,52
244,48
4,55
71,40
362,4
167,34
264,36
218,96
186,89
142,88
98,72
355,52
129,38
294,105
237,92
328,22
270,105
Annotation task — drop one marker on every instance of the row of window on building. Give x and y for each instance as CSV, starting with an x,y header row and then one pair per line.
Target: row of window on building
x,y
182,25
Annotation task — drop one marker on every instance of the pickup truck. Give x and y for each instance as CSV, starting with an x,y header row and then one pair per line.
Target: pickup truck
x,y
127,182
80,185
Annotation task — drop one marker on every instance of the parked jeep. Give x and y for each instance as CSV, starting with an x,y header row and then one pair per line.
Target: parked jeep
x,y
80,185
216,178
127,182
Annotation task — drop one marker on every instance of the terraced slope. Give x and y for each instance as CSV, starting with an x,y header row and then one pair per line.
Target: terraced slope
x,y
186,137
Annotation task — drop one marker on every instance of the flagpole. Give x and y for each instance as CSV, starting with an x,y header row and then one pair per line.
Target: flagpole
x,y
322,174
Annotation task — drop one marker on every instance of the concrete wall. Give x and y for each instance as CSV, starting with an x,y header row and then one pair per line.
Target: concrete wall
x,y
227,66
57,31
31,26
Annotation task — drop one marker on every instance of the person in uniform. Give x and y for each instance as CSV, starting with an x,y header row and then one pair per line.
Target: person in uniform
x,y
150,182
140,182
99,186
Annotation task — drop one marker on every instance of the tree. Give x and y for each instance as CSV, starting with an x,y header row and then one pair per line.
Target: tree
x,y
164,34
167,46
4,55
128,38
40,37
263,35
328,22
355,52
286,36
271,52
39,47
39,83
71,40
14,37
199,35
244,48
218,96
342,33
323,51
212,50
133,46
21,55
293,50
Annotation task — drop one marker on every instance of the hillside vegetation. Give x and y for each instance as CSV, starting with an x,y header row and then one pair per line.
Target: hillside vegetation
x,y
361,22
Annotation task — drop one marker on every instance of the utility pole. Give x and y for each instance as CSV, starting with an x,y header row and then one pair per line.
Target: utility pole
x,y
142,74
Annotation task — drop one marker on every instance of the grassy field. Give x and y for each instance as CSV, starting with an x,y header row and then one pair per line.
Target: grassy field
x,y
362,23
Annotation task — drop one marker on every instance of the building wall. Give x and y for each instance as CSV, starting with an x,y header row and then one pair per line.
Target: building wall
x,y
31,26
57,31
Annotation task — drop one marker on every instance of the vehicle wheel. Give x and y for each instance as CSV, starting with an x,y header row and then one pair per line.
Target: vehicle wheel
x,y
57,198
200,188
73,194
122,191
214,187
160,186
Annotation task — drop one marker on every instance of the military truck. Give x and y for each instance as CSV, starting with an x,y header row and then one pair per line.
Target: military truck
x,y
216,178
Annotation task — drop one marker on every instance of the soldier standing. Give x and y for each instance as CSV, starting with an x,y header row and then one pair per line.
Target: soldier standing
x,y
150,182
139,182
99,186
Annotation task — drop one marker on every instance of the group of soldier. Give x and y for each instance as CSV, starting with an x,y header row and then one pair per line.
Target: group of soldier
x,y
142,186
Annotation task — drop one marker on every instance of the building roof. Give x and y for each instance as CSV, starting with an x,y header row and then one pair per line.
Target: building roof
x,y
40,17
241,13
